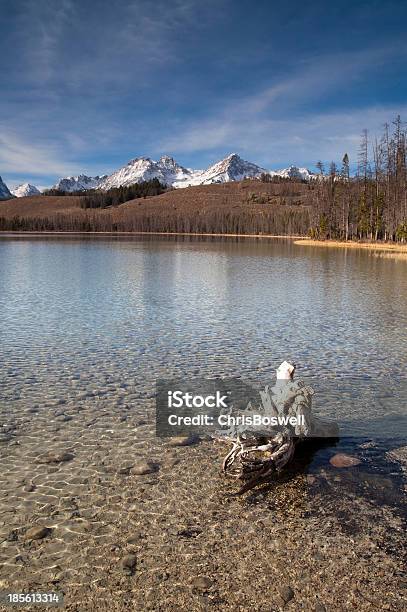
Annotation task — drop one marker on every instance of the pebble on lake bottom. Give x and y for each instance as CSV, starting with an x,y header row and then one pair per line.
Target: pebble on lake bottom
x,y
128,564
201,583
55,457
399,455
341,460
286,593
183,440
37,533
125,470
134,539
144,467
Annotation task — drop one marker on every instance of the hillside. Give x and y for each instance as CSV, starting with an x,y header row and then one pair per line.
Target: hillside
x,y
238,207
33,206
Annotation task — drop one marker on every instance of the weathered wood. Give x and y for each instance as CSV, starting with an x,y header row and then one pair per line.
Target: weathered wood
x,y
258,453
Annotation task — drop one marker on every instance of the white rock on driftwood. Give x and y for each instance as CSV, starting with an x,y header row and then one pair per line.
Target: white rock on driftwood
x,y
258,453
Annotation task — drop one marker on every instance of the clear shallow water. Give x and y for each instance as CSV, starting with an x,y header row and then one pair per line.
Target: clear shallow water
x,y
83,316
87,326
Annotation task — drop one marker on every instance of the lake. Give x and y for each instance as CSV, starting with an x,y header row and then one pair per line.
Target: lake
x,y
89,323
133,310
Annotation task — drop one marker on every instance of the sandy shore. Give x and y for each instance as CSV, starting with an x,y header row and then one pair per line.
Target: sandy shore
x,y
373,246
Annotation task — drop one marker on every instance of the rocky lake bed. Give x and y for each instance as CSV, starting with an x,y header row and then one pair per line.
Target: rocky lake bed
x,y
95,506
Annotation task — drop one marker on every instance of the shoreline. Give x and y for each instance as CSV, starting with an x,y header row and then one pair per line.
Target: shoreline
x,y
389,247
94,233
379,249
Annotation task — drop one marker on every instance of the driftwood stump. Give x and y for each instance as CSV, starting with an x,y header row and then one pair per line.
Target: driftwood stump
x,y
259,452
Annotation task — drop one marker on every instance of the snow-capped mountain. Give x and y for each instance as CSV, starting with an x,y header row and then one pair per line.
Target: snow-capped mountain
x,y
79,183
5,193
25,190
302,174
232,168
169,172
172,174
166,170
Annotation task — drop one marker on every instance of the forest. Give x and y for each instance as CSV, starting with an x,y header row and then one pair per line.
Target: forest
x,y
119,195
275,220
372,204
96,198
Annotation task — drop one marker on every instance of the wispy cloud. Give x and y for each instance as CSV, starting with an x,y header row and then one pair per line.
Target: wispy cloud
x,y
72,44
150,35
303,139
319,75
40,26
86,86
273,124
37,159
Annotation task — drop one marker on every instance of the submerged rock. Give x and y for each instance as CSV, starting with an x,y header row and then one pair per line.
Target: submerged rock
x,y
172,462
286,593
134,539
377,482
369,444
341,460
202,583
63,418
399,455
55,457
183,440
37,533
125,470
128,564
144,467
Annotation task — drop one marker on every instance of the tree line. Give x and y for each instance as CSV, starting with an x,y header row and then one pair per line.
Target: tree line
x,y
118,195
372,204
278,220
97,198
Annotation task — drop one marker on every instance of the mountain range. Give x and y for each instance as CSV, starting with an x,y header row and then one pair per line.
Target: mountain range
x,y
168,172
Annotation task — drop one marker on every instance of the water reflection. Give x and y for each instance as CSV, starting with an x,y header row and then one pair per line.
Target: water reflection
x,y
135,309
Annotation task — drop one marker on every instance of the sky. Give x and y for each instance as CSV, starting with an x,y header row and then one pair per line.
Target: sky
x,y
87,85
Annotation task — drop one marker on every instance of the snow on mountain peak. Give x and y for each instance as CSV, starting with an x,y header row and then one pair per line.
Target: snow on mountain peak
x,y
169,172
166,170
24,190
294,172
233,156
78,183
231,168
167,161
5,193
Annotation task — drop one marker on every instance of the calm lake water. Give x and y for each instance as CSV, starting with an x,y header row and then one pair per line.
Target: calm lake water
x,y
87,326
132,310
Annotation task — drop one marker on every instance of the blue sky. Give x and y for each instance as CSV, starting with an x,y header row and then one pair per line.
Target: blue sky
x,y
87,85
